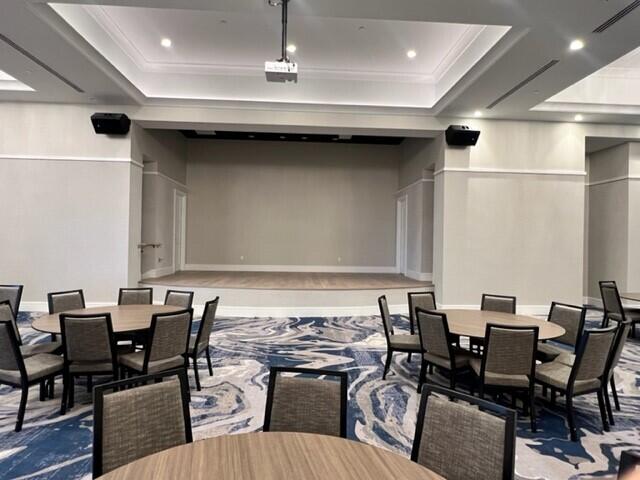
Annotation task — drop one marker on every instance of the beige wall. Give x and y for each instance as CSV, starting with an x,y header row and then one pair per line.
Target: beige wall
x,y
291,204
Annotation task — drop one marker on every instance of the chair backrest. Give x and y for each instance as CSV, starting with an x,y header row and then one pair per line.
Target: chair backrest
x,y
618,346
88,339
10,356
460,441
306,404
569,317
509,350
12,294
611,299
65,301
7,315
135,296
387,323
592,355
136,422
169,336
179,298
498,303
206,323
423,300
433,330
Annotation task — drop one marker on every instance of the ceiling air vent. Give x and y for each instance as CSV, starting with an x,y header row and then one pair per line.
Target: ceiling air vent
x,y
58,75
530,78
618,16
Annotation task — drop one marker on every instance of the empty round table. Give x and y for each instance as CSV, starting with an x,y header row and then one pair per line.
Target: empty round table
x,y
125,318
472,323
273,456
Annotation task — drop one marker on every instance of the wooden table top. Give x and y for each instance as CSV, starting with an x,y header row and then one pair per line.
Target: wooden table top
x,y
125,318
631,296
472,323
273,456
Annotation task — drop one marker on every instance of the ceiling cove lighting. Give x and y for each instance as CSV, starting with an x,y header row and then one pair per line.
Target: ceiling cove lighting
x,y
578,117
166,42
576,44
411,54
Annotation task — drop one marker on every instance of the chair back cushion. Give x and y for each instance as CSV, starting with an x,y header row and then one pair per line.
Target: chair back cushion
x,y
308,405
610,298
569,317
433,333
206,324
141,421
179,299
170,336
65,301
618,345
8,358
510,351
87,339
135,296
460,442
7,315
12,294
386,318
595,354
423,300
498,303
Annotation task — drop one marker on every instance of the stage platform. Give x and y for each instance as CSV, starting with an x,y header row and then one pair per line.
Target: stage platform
x,y
260,294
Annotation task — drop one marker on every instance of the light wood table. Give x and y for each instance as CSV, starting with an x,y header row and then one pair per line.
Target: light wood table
x,y
125,318
635,297
473,323
273,456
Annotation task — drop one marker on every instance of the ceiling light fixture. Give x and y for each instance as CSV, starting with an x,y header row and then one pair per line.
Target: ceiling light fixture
x,y
411,54
578,118
577,44
477,113
291,48
166,42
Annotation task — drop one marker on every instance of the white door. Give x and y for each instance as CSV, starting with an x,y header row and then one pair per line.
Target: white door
x,y
180,229
401,235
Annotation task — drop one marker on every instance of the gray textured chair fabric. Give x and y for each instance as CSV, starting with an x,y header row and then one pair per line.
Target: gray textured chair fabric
x,y
421,300
179,299
7,315
135,361
610,299
308,405
37,348
571,319
135,296
460,442
65,301
88,344
557,375
8,360
39,366
204,331
141,421
11,294
386,317
405,342
497,303
508,357
436,343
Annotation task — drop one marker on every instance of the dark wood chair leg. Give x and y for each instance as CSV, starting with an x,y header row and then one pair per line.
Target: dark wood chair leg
x,y
423,375
554,393
571,419
89,383
43,388
532,409
387,363
209,362
52,387
71,393
22,407
603,411
607,403
409,357
195,371
544,391
65,394
614,392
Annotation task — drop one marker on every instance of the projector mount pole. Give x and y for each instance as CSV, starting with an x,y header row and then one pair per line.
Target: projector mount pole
x,y
284,4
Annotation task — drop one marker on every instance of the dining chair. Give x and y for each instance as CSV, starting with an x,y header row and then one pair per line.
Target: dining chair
x,y
463,437
305,403
395,342
586,375
135,296
508,364
7,314
19,372
493,303
133,421
610,381
569,317
12,294
89,349
613,308
424,300
199,343
179,298
65,301
168,345
437,347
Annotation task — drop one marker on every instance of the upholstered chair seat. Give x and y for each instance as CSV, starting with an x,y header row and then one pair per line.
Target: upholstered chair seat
x,y
461,359
547,352
135,361
37,348
499,379
405,342
8,314
556,374
395,342
38,366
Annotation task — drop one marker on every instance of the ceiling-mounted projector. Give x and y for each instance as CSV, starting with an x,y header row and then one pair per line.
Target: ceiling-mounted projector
x,y
282,70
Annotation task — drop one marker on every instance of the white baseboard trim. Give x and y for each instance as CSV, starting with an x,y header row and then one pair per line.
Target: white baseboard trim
x,y
288,268
420,276
44,306
250,312
520,309
158,272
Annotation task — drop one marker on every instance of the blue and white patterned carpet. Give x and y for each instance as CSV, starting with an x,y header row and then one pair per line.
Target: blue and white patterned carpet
x,y
381,413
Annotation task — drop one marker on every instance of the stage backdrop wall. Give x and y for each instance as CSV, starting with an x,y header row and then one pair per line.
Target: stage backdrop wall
x,y
327,205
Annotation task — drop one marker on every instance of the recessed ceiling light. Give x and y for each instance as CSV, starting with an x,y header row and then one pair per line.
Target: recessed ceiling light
x,y
166,42
577,44
477,113
411,54
578,118
335,139
291,48
252,136
304,138
282,137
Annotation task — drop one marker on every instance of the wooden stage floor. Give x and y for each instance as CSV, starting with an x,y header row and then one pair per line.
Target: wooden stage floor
x,y
288,280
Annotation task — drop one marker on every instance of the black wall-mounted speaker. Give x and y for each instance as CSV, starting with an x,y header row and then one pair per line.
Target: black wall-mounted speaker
x,y
461,136
111,123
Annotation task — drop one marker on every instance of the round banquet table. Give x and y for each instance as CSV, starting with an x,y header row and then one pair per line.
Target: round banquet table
x,y
273,456
125,318
472,323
